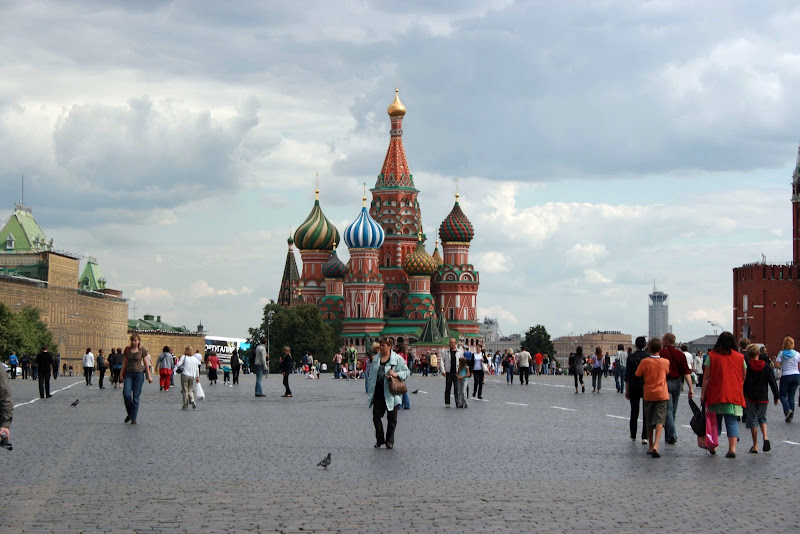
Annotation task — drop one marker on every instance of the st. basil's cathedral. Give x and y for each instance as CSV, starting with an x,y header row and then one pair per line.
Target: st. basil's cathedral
x,y
391,286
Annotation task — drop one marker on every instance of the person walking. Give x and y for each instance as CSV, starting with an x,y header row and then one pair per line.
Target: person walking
x,y
44,361
386,364
370,355
479,360
135,366
236,366
508,369
213,365
101,368
757,380
115,364
25,361
56,363
653,371
577,368
723,384
34,368
164,364
634,387
524,366
260,362
337,365
13,362
434,363
597,369
400,349
462,384
287,365
189,369
6,408
789,361
678,372
88,366
697,365
619,370
450,359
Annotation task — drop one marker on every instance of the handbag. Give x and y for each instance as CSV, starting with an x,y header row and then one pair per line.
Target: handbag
x,y
712,437
397,386
199,394
179,369
698,422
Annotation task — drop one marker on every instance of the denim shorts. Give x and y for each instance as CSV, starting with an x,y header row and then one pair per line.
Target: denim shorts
x,y
731,425
755,413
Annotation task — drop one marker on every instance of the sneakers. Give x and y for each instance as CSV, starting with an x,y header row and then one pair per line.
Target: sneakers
x,y
789,416
194,405
767,447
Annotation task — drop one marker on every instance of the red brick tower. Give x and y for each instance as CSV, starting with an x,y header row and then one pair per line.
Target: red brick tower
x,y
796,211
396,208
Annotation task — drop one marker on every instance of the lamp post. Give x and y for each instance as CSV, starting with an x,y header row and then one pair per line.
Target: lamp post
x,y
716,325
61,338
269,327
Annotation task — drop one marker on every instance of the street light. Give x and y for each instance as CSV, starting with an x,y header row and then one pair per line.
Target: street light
x,y
269,327
712,323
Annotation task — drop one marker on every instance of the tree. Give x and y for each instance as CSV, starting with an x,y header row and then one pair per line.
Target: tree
x,y
23,332
299,327
538,340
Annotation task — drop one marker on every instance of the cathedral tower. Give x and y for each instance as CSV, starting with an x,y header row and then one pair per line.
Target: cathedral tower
x,y
315,238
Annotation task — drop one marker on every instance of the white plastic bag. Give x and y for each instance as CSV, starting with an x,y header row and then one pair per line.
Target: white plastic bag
x,y
199,394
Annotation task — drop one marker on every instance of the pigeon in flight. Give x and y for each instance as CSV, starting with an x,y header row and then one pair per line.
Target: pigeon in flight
x,y
415,391
75,403
325,462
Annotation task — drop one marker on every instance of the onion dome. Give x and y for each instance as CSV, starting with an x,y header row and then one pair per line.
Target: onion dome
x,y
364,232
456,228
436,256
396,108
419,262
290,241
334,268
317,232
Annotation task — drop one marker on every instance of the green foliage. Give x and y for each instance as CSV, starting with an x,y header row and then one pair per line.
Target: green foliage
x,y
299,327
538,340
23,332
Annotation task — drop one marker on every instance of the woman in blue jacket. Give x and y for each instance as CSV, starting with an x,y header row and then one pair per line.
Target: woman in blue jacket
x,y
385,364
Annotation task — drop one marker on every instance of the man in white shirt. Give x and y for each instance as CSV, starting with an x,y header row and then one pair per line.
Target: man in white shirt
x,y
449,366
524,365
88,366
689,361
476,363
619,370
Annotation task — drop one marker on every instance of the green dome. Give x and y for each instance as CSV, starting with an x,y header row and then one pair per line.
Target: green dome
x,y
317,232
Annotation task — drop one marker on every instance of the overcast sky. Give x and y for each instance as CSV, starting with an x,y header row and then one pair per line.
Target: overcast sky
x,y
600,146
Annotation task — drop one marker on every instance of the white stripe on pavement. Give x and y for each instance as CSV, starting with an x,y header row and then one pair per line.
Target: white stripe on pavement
x,y
616,416
562,408
516,403
51,393
791,442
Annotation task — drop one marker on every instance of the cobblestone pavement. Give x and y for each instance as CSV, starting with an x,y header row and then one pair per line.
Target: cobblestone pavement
x,y
534,458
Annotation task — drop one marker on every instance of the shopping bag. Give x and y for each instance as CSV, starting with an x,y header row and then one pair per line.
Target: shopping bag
x,y
199,394
712,437
698,422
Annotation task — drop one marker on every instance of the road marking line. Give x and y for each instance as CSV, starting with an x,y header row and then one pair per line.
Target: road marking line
x,y
791,442
616,416
550,385
51,393
516,403
480,400
567,409
423,392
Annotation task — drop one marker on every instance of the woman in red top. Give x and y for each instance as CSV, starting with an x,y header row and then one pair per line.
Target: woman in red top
x,y
723,383
213,365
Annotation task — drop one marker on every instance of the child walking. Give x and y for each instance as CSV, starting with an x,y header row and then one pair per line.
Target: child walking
x,y
654,371
461,383
226,376
758,377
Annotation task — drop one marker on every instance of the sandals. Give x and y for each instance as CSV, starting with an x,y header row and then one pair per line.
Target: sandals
x,y
753,450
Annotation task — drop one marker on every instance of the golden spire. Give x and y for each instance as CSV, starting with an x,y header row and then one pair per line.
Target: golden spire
x,y
316,193
457,195
364,197
396,109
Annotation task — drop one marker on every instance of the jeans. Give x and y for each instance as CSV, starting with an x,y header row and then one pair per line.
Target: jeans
x,y
406,401
366,381
597,378
55,371
187,390
337,370
461,386
636,399
524,372
378,409
259,370
674,388
101,373
619,378
236,374
34,372
13,371
286,383
789,384
546,368
44,383
87,374
449,382
509,375
131,391
731,425
25,372
477,383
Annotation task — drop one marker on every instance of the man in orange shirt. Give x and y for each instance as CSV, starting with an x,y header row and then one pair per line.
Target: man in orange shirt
x,y
538,359
656,395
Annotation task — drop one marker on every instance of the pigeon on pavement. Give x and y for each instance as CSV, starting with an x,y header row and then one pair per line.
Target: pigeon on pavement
x,y
415,391
75,403
325,462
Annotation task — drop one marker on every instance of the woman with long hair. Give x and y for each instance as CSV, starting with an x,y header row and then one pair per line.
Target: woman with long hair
x,y
287,364
189,368
135,365
789,360
723,387
597,369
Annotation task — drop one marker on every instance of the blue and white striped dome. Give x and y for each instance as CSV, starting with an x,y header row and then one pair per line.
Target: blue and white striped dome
x,y
364,232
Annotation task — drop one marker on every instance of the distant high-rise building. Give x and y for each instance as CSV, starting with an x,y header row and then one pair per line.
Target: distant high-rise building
x,y
658,314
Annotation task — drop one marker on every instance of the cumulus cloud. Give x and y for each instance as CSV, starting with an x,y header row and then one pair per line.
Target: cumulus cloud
x,y
201,288
586,254
501,313
493,262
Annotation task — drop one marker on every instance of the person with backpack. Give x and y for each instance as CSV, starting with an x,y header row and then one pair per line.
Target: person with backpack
x,y
576,366
164,364
757,379
789,362
101,368
634,387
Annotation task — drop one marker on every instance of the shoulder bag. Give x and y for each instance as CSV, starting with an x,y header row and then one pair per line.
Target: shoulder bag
x,y
397,386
